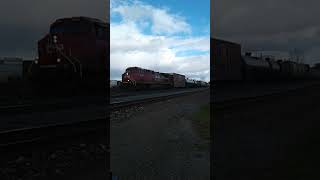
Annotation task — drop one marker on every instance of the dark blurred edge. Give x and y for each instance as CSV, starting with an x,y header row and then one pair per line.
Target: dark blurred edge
x,y
108,92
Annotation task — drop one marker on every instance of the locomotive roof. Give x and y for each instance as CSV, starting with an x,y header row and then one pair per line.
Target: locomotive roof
x,y
175,74
138,68
153,71
82,18
224,41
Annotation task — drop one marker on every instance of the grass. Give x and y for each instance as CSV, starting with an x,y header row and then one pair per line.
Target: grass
x,y
201,122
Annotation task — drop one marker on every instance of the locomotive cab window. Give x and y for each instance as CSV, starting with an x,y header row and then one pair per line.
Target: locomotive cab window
x,y
101,33
70,27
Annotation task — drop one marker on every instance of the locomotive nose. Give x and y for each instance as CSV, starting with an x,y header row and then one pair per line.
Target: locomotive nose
x,y
126,77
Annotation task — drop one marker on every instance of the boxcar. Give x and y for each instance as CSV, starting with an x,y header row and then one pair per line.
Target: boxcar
x,y
226,60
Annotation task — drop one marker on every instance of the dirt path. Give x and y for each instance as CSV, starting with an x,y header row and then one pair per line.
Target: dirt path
x,y
157,141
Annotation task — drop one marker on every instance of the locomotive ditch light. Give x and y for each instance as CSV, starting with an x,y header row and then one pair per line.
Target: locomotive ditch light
x,y
36,62
58,60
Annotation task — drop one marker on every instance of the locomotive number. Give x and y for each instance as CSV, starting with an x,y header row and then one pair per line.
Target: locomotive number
x,y
53,47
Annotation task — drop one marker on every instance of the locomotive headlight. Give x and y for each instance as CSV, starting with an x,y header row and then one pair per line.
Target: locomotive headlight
x,y
55,39
58,60
36,62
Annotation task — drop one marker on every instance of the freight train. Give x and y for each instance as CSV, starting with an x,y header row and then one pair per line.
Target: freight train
x,y
139,78
230,65
74,52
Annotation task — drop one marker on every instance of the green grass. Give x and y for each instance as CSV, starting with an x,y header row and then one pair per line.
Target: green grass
x,y
201,122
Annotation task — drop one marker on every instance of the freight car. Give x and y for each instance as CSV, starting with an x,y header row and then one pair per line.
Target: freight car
x,y
191,83
266,69
114,83
177,80
255,68
230,65
227,61
10,70
13,76
14,69
75,53
275,68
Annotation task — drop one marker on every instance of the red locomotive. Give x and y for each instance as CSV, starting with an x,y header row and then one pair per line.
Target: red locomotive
x,y
75,50
143,78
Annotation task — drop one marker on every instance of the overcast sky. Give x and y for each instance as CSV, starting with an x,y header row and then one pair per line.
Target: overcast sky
x,y
270,25
23,23
161,35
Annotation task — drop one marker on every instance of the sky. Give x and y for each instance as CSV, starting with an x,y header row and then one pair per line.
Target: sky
x,y
277,26
162,35
23,23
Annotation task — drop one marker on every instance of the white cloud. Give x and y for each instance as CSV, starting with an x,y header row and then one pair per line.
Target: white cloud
x,y
166,23
130,46
162,21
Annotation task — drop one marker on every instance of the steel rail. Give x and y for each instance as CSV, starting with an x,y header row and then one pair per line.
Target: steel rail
x,y
236,102
123,104
30,135
18,108
34,135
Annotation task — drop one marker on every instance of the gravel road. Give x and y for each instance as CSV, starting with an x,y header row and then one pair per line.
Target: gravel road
x,y
157,141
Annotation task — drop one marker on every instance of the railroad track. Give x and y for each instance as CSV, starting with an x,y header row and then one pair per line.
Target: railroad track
x,y
37,143
41,140
44,106
243,101
26,136
53,131
118,103
114,102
